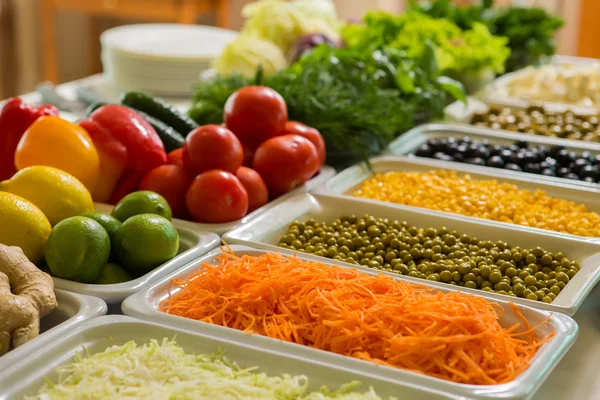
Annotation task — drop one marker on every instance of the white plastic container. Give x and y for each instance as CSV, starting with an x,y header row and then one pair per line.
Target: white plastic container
x,y
144,305
73,309
324,175
103,332
192,244
344,183
264,233
408,143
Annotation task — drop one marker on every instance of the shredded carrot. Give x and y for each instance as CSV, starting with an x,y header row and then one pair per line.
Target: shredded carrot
x,y
452,336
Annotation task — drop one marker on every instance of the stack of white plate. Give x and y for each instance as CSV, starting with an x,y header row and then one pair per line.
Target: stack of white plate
x,y
162,59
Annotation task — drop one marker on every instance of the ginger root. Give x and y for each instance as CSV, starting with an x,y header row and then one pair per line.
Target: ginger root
x,y
26,296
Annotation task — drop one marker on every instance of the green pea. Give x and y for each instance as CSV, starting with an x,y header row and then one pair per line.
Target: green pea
x,y
373,231
571,273
487,289
485,271
539,275
414,274
456,276
486,284
471,284
495,277
415,253
373,264
562,277
531,259
518,289
530,280
433,277
446,276
531,296
470,277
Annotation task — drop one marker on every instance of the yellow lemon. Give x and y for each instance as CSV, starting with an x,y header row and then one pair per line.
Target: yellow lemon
x,y
24,225
58,194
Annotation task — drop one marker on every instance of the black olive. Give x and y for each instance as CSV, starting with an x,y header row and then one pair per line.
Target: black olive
x,y
589,179
563,157
475,161
514,148
435,144
513,167
579,163
472,149
496,162
466,140
547,172
590,171
597,159
442,156
462,149
534,168
482,152
588,156
572,176
424,151
506,154
450,148
451,140
495,149
458,157
521,158
563,171
550,161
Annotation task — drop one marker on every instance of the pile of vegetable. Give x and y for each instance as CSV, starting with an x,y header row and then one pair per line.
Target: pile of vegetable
x,y
537,119
574,84
26,296
438,255
359,101
451,336
164,370
530,30
277,31
520,156
449,191
464,54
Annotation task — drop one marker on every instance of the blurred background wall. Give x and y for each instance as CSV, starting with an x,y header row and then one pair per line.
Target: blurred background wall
x,y
21,39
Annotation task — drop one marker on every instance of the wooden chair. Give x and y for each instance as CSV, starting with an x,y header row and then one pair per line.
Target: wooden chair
x,y
180,11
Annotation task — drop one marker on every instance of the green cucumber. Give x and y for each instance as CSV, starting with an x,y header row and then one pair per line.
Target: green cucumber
x,y
172,140
160,110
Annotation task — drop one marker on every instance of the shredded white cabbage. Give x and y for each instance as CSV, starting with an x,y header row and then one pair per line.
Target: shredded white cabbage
x,y
164,371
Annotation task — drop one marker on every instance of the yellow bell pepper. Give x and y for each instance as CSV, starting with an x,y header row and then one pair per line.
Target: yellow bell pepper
x,y
55,142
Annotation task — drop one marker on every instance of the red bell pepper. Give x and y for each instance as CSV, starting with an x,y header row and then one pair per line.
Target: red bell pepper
x,y
15,117
128,146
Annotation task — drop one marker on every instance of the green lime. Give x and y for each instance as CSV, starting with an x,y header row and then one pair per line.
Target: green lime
x,y
142,202
146,241
78,249
109,223
114,273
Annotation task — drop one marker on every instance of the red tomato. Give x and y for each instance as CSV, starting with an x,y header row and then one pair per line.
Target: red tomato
x,y
297,128
255,114
212,147
216,196
175,157
286,162
172,183
248,156
258,195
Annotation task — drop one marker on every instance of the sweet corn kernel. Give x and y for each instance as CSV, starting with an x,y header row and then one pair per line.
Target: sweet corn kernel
x,y
444,190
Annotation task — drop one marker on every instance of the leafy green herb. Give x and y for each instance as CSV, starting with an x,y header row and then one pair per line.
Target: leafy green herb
x,y
458,51
530,30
